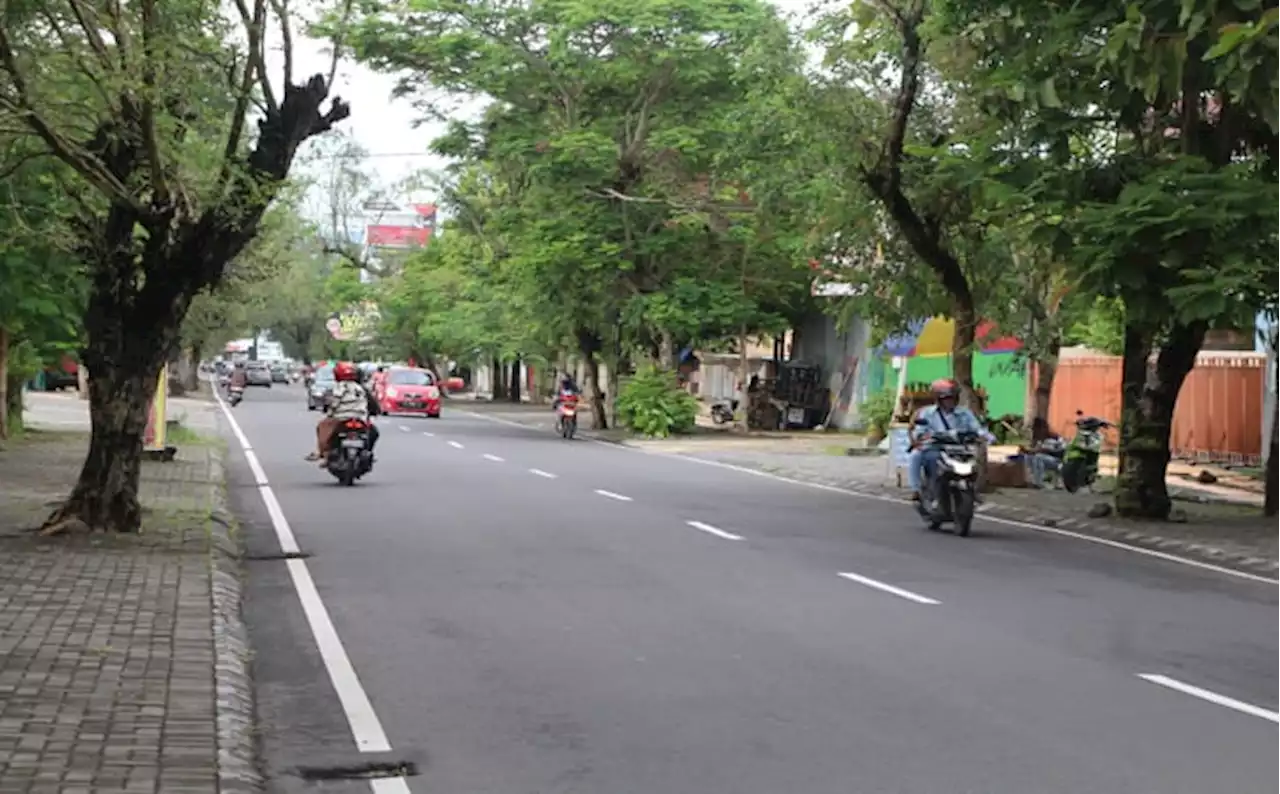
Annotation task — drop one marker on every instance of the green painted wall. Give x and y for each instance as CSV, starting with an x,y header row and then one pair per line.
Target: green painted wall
x,y
1003,376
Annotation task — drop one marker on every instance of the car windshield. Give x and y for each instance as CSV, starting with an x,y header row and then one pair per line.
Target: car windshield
x,y
256,365
324,374
410,377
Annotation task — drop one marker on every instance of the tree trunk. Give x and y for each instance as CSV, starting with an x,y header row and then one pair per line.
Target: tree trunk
x,y
105,497
193,371
666,350
515,392
4,383
591,384
498,390
82,379
1046,372
12,407
744,375
962,343
1148,398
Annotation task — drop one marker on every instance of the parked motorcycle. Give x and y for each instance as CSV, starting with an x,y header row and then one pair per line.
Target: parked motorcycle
x,y
234,395
349,456
948,492
1080,462
722,412
567,416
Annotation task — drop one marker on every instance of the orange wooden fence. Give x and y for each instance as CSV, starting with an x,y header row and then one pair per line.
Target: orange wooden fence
x,y
1219,413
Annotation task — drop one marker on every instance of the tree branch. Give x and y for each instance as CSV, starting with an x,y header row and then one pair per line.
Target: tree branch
x,y
69,46
254,28
339,39
281,9
150,143
92,33
87,165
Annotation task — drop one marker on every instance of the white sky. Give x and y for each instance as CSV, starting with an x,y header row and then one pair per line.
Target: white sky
x,y
383,126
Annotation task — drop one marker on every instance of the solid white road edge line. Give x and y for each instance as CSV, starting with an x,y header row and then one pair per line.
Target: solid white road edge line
x,y
719,533
888,588
612,495
404,429
542,473
455,445
1212,697
493,458
365,726
1065,533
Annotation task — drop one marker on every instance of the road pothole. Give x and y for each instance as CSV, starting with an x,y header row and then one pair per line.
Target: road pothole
x,y
373,770
279,555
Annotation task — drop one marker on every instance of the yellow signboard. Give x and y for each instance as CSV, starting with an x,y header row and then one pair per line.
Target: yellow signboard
x,y
153,437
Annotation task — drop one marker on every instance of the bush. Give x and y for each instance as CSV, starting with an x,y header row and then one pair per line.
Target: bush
x,y
876,411
651,404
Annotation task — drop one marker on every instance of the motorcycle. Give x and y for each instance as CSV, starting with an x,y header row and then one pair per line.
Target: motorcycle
x,y
949,491
722,413
567,416
349,457
1080,462
234,395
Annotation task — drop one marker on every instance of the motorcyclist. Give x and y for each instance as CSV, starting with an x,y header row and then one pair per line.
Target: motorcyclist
x,y
239,377
945,415
349,401
568,388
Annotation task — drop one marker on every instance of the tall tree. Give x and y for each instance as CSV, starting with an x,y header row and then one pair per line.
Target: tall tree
x,y
1155,126
148,105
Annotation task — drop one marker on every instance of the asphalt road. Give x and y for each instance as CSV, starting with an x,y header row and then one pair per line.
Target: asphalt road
x,y
534,616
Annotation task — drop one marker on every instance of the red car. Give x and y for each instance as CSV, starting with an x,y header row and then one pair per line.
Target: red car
x,y
408,391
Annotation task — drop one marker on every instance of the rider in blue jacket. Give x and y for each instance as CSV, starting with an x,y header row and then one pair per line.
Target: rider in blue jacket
x,y
946,414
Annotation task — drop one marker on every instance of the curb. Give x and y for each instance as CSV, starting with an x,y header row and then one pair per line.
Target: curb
x,y
1206,552
238,771
1203,552
1199,552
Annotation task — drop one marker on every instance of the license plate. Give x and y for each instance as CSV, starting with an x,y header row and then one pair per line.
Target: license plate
x,y
795,416
352,443
411,404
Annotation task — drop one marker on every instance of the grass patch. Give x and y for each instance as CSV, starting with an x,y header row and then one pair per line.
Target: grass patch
x,y
180,434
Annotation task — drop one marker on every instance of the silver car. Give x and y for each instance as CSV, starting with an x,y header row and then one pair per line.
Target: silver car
x,y
321,389
257,373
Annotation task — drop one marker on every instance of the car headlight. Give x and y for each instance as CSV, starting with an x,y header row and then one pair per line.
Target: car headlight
x,y
391,392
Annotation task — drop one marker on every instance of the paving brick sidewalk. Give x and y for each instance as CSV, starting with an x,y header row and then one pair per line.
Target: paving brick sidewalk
x,y
123,661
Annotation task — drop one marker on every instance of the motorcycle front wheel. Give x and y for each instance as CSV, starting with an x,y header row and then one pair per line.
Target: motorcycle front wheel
x,y
962,511
1073,475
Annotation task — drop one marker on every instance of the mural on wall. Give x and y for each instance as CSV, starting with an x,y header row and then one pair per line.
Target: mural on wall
x,y
996,368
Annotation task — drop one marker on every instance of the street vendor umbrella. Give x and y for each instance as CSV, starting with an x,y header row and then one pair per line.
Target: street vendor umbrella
x,y
933,337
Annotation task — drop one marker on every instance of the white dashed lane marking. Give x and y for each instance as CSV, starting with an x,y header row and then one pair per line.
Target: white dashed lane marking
x,y
493,458
719,533
612,495
888,588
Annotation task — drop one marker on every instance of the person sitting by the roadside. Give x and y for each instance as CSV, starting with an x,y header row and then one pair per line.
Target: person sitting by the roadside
x,y
1045,453
349,401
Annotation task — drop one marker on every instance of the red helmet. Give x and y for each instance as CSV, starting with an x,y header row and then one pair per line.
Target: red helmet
x,y
944,388
345,370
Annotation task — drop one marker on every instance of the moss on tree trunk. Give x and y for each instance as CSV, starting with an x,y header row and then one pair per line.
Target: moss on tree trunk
x,y
1149,394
